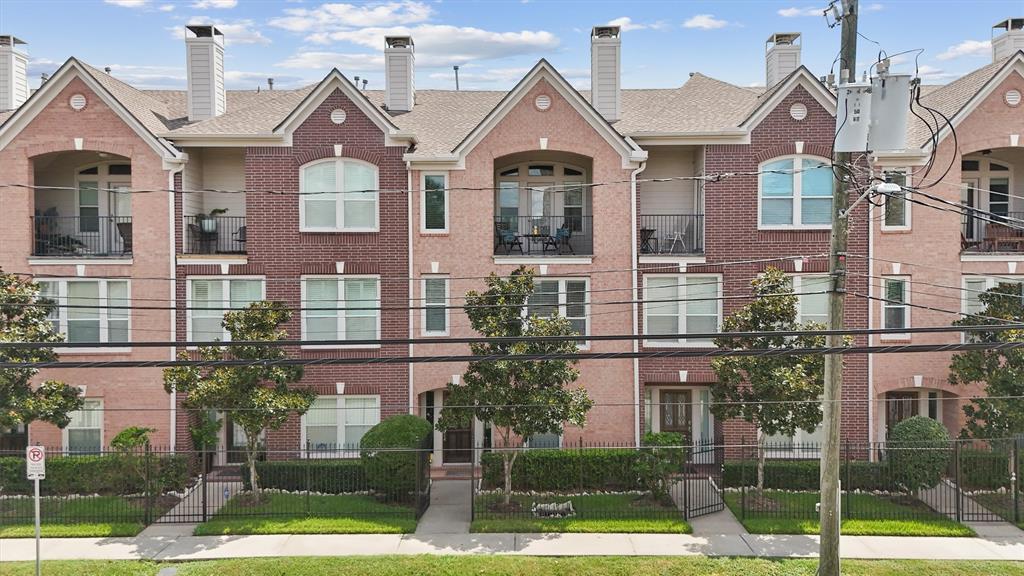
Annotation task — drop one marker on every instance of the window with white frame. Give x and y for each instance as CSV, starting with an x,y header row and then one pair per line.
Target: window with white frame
x,y
812,298
90,310
896,209
568,298
84,433
339,195
895,306
210,298
434,208
340,308
974,287
681,304
795,192
435,306
545,440
339,422
804,443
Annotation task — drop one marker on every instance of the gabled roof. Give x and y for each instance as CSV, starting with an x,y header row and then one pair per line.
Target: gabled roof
x,y
771,98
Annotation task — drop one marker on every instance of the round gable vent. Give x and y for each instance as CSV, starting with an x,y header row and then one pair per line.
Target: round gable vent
x,y
543,102
338,116
798,111
1012,97
77,101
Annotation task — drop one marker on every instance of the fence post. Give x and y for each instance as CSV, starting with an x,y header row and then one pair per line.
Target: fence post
x,y
1015,479
956,472
309,470
743,479
846,483
149,485
579,468
203,487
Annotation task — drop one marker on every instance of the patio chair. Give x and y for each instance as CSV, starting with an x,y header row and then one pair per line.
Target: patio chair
x,y
562,238
125,230
648,241
506,238
204,241
238,236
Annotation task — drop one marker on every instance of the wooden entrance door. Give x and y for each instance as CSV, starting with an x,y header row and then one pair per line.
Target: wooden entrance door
x,y
458,446
676,411
899,407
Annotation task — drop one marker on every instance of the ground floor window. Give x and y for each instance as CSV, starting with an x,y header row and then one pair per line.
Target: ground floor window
x,y
339,422
84,434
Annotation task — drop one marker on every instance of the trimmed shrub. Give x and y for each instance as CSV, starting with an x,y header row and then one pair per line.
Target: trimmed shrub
x,y
389,454
566,470
657,463
325,476
805,475
988,469
919,451
111,474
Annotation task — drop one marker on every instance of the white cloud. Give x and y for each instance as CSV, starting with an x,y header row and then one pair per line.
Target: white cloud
x,y
705,22
166,8
967,48
502,75
627,24
331,17
875,7
795,12
237,80
236,32
222,4
933,74
323,61
127,3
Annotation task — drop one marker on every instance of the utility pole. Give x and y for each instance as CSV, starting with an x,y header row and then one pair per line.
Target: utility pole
x,y
828,554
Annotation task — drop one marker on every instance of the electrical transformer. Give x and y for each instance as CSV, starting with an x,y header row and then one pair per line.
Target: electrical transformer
x,y
853,116
890,105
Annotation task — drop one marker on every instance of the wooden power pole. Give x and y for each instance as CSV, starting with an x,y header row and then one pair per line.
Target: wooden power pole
x,y
828,564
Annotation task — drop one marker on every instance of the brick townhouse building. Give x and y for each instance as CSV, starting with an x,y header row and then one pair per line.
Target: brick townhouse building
x,y
300,196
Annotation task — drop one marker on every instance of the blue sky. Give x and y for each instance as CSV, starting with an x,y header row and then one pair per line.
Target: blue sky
x,y
495,42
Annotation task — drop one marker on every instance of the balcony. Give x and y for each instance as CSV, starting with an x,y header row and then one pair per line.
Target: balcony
x,y
544,235
214,235
82,236
671,234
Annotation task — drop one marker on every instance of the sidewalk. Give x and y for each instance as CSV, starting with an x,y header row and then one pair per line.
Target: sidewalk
x,y
213,547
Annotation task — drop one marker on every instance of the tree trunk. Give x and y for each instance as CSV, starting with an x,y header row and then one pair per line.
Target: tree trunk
x,y
760,462
509,459
251,447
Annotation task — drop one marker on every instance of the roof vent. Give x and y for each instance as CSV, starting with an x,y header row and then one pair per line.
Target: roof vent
x,y
204,59
782,56
13,73
1009,41
399,73
605,66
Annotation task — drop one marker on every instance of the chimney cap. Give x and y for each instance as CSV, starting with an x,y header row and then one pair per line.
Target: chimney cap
x,y
783,38
398,41
8,40
204,30
1010,24
605,32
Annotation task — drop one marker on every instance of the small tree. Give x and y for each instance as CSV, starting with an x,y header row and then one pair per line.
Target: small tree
x,y
777,393
1001,372
255,397
520,398
24,317
389,452
662,456
918,450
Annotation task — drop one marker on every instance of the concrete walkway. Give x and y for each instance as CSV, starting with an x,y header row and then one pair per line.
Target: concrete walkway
x,y
183,518
212,547
449,511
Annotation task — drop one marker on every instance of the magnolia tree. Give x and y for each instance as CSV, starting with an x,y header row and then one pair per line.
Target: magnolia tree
x,y
1001,372
519,398
777,393
256,397
24,317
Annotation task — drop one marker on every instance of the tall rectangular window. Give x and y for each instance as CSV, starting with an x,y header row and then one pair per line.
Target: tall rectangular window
x,y
338,195
795,192
90,310
339,423
681,304
210,298
812,298
84,434
897,207
435,203
566,297
895,311
435,306
341,308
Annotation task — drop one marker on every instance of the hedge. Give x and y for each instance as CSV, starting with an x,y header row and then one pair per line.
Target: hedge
x,y
556,470
105,475
324,476
988,470
805,475
390,452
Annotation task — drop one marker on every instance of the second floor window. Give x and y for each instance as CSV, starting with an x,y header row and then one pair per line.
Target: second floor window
x,y
90,310
435,306
210,298
566,297
895,309
812,298
681,305
339,195
795,192
340,308
435,203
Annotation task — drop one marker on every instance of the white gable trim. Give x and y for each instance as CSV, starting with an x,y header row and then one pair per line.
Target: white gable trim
x,y
631,154
336,80
802,77
1014,64
60,80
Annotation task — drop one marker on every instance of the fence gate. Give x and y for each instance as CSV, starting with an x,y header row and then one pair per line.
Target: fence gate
x,y
701,484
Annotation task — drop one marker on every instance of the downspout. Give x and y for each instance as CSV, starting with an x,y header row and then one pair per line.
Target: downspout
x,y
174,292
638,423
412,283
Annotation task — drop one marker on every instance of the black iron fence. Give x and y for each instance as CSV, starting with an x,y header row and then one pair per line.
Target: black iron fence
x,y
544,235
82,236
959,481
215,235
671,233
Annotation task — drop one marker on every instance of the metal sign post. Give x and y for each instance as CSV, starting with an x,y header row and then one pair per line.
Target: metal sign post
x,y
35,470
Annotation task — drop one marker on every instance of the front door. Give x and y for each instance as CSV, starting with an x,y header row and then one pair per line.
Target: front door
x,y
676,410
899,407
458,446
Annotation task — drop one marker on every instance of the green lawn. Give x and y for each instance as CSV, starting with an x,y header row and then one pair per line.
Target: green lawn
x,y
894,519
1002,504
286,514
518,566
594,513
76,517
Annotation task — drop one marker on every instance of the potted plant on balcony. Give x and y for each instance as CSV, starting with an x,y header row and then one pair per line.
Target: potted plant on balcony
x,y
208,222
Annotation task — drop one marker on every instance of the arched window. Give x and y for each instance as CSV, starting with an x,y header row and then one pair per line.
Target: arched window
x,y
795,192
339,195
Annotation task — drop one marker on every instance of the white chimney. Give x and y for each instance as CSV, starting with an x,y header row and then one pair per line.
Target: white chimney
x,y
399,73
204,59
13,73
782,56
1008,42
605,66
